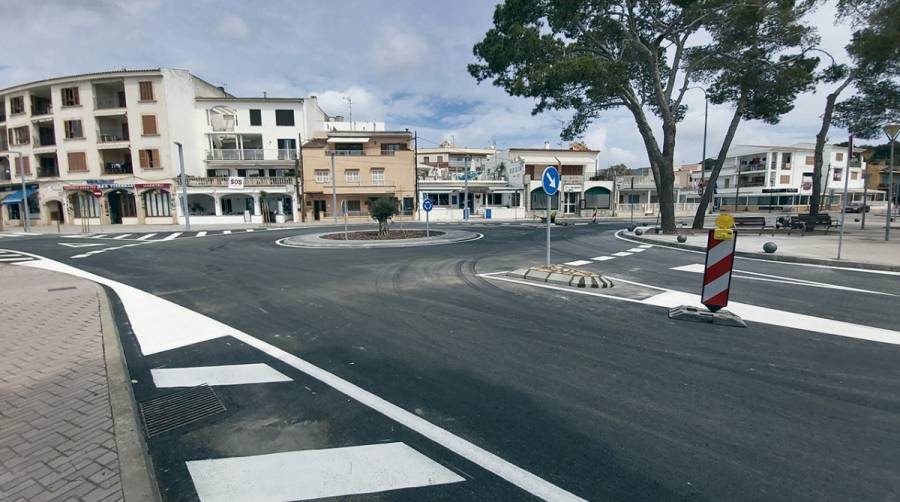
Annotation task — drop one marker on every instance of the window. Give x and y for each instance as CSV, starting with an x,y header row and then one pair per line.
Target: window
x,y
19,136
785,180
572,170
495,199
810,161
77,162
390,148
854,175
839,156
836,176
146,90
156,203
70,96
377,176
218,173
425,159
150,159
284,117
727,182
16,105
85,205
323,176
351,175
73,129
440,158
353,206
26,165
149,124
256,117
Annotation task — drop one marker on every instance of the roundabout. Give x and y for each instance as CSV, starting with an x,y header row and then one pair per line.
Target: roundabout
x,y
367,239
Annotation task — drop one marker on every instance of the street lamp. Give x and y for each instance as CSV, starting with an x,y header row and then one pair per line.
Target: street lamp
x,y
25,210
184,195
891,130
705,122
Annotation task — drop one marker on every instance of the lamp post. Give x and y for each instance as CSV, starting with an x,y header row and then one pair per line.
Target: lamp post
x,y
25,212
891,130
703,158
184,197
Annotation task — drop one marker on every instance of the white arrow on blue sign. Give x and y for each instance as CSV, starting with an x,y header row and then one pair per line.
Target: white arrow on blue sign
x,y
550,180
427,205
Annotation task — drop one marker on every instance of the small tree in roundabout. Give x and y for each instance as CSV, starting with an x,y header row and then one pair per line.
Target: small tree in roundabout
x,y
382,210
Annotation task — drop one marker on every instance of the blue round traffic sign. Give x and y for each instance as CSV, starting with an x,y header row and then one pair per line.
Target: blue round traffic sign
x,y
427,205
550,180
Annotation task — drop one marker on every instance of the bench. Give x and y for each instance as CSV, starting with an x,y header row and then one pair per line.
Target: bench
x,y
804,221
752,222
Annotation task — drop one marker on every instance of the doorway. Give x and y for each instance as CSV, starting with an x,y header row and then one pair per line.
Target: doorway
x,y
121,205
319,209
54,211
571,202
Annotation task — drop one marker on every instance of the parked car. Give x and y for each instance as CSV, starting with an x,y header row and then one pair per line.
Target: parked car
x,y
857,207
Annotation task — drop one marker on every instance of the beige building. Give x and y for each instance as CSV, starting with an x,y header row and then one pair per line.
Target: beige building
x,y
367,165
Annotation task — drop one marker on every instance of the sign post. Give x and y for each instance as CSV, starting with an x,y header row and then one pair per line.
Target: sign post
x,y
720,245
344,210
427,206
550,183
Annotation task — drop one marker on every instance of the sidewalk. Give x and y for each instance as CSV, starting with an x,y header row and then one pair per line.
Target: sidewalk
x,y
58,430
861,248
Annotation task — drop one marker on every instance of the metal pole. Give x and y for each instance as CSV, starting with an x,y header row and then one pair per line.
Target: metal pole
x,y
865,206
466,192
344,208
846,173
629,201
333,189
887,224
549,202
25,210
427,229
184,197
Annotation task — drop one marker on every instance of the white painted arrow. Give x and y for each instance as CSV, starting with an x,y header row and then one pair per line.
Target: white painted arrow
x,y
551,181
78,245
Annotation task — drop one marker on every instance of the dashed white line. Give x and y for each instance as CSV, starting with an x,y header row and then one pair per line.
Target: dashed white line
x,y
646,246
637,250
226,232
145,237
603,258
577,263
201,234
121,236
622,253
249,230
171,236
98,236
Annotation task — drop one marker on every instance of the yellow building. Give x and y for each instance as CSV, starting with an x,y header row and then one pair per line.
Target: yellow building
x,y
367,165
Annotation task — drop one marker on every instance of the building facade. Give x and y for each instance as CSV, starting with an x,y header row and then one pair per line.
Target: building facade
x,y
367,165
98,147
582,192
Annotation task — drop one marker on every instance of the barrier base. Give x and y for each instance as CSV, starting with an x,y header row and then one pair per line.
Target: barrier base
x,y
691,313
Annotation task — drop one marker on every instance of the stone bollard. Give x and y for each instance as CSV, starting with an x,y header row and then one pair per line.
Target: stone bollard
x,y
770,247
682,238
638,231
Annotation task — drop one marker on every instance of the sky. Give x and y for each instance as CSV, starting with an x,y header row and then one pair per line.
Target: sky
x,y
402,62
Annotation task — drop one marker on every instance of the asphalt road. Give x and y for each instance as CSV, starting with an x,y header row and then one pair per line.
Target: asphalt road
x,y
607,399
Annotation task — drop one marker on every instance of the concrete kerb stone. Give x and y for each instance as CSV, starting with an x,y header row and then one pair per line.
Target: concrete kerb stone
x,y
772,257
563,277
315,241
135,466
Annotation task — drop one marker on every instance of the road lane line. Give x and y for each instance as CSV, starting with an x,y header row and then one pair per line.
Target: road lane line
x,y
577,263
121,236
622,253
145,237
249,230
758,276
171,236
162,325
201,234
314,474
225,232
603,258
98,236
233,374
637,250
646,246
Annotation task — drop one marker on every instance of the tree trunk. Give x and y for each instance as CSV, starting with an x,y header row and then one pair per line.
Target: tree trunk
x,y
816,196
709,189
662,167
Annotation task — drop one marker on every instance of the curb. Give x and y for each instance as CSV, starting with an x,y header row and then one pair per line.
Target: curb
x,y
590,282
313,241
776,258
135,466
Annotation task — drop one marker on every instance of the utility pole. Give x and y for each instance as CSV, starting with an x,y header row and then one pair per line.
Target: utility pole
x,y
333,190
416,167
184,197
865,206
25,212
844,196
466,192
298,179
892,131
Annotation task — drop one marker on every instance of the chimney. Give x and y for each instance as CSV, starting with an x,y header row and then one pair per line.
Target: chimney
x,y
546,145
265,95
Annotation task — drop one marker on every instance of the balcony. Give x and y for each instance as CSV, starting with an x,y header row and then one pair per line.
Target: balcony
x,y
112,129
345,153
254,154
117,168
109,95
253,181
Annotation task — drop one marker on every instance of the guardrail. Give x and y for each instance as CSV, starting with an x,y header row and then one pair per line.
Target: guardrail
x,y
253,181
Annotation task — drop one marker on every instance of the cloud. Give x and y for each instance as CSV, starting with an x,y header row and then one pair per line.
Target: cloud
x,y
233,27
398,50
366,105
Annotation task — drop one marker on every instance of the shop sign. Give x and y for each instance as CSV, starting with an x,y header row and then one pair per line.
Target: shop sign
x,y
235,182
164,186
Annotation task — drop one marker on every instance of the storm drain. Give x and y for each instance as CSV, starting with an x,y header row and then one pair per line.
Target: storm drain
x,y
171,411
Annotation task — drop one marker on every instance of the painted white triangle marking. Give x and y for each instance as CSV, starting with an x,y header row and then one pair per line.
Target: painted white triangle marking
x,y
233,374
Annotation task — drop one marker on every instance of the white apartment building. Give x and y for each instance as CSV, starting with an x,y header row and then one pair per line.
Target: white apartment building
x,y
453,159
781,177
250,157
109,133
579,195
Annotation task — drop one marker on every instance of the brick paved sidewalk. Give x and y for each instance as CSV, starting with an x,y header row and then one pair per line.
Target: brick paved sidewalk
x,y
57,440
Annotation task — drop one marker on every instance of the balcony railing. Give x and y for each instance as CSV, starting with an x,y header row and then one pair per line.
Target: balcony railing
x,y
41,110
252,154
106,103
48,172
253,181
117,168
110,138
345,153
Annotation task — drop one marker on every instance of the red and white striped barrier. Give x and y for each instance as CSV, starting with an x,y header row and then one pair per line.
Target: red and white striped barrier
x,y
717,273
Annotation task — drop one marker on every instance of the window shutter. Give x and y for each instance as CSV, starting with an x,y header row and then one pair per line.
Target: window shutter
x,y
75,97
26,163
146,91
149,123
155,159
77,161
144,160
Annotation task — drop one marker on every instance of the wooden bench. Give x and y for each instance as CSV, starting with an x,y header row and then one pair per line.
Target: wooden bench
x,y
805,223
752,222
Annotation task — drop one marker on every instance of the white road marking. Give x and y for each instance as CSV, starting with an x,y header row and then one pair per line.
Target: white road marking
x,y
757,276
226,232
637,250
622,253
121,236
249,230
577,263
313,474
646,246
771,262
145,237
235,374
670,298
98,236
603,258
171,236
162,325
79,244
14,258
201,234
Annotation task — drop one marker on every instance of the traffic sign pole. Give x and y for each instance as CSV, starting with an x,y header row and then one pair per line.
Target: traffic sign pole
x,y
550,182
427,205
549,200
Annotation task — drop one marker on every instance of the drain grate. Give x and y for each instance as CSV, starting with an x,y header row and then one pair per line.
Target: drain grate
x,y
171,411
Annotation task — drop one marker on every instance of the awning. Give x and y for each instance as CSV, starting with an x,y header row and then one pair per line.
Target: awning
x,y
16,197
348,140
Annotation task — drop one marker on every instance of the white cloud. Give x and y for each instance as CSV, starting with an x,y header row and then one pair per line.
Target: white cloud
x,y
367,106
398,49
233,27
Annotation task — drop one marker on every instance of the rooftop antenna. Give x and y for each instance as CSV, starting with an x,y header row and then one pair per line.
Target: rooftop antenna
x,y
349,102
265,95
